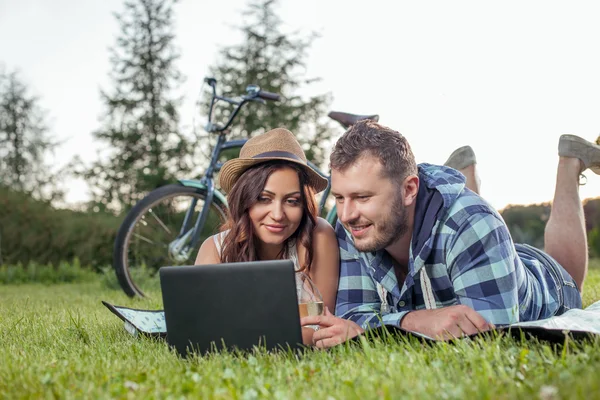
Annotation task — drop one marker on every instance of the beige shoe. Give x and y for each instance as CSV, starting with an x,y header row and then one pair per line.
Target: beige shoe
x,y
461,158
576,147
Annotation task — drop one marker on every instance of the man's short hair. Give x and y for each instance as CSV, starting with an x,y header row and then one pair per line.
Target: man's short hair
x,y
368,138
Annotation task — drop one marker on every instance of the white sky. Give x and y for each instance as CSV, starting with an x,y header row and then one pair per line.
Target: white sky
x,y
507,77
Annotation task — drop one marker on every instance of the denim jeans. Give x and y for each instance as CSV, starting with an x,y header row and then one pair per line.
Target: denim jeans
x,y
568,293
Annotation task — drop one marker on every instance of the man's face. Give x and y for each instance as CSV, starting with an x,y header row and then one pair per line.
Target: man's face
x,y
369,205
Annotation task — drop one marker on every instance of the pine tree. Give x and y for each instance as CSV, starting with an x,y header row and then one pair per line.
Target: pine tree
x,y
276,62
141,125
24,142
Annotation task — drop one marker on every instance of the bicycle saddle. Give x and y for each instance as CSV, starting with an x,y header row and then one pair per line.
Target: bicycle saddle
x,y
347,120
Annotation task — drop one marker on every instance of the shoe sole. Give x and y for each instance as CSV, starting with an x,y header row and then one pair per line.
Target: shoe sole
x,y
574,146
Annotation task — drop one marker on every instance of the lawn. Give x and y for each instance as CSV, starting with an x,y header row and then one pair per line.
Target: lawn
x,y
58,341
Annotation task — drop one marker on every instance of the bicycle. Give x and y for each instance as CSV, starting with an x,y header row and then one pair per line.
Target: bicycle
x,y
158,230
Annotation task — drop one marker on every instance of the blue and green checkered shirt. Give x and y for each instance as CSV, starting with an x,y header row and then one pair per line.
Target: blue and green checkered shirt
x,y
468,256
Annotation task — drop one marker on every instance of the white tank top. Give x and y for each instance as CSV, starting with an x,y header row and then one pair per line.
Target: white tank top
x,y
292,249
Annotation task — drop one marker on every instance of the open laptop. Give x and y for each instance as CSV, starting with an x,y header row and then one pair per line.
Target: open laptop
x,y
231,306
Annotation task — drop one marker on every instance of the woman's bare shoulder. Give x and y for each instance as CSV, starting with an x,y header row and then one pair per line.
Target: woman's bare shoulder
x,y
323,229
208,253
323,238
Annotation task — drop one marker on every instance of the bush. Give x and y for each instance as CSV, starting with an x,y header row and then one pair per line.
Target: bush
x,y
32,231
527,223
36,273
144,277
594,242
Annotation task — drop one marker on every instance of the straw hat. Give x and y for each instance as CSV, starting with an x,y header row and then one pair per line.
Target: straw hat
x,y
277,144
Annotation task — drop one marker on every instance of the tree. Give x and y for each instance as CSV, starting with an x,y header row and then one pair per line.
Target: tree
x,y
146,148
24,142
276,62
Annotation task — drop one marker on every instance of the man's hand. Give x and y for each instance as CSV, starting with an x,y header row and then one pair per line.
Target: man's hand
x,y
446,323
333,330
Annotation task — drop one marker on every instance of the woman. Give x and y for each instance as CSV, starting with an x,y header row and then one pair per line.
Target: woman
x,y
273,214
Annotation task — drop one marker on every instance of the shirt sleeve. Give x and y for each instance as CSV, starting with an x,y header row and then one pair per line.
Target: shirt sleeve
x,y
482,264
357,298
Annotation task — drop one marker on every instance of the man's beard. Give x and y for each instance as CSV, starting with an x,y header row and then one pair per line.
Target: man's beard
x,y
391,227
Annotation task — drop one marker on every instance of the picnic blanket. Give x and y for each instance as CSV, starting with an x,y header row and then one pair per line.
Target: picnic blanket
x,y
147,322
576,323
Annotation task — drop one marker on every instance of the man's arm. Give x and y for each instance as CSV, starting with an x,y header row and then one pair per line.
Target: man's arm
x,y
359,303
482,264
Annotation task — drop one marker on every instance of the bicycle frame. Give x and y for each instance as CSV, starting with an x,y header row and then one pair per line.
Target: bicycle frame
x,y
181,243
325,192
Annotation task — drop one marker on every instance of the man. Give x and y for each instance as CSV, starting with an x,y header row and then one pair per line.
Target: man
x,y
421,251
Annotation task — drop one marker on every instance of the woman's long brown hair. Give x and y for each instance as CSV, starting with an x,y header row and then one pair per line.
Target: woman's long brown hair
x,y
240,243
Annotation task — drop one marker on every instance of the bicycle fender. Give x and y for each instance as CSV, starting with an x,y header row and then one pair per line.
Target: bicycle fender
x,y
197,184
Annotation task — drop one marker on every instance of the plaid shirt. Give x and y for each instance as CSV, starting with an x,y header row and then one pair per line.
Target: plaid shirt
x,y
468,258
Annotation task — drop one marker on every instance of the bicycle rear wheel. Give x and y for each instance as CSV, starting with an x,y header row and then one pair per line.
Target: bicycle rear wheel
x,y
145,239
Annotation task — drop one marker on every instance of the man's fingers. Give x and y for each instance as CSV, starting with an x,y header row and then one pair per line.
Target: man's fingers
x,y
327,312
451,332
468,322
480,324
447,323
466,327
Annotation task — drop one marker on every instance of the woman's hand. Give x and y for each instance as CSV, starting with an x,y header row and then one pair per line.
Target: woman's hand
x,y
307,336
333,330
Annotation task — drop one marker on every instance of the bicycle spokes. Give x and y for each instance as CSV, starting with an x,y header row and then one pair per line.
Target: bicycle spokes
x,y
179,249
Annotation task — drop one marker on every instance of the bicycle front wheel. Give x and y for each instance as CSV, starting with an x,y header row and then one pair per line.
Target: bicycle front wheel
x,y
150,236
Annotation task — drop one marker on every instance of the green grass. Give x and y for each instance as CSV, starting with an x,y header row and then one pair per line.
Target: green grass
x,y
58,341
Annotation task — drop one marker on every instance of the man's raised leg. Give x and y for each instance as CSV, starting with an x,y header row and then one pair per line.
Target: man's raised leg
x,y
463,159
565,236
473,181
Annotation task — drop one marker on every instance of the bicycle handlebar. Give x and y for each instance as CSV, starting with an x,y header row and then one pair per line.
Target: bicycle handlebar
x,y
253,94
269,96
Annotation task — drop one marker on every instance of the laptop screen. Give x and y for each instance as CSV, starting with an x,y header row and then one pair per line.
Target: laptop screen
x,y
231,306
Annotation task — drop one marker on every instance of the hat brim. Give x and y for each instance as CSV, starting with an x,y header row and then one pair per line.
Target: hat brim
x,y
233,169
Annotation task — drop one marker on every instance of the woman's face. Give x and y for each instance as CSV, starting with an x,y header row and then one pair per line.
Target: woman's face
x,y
278,211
